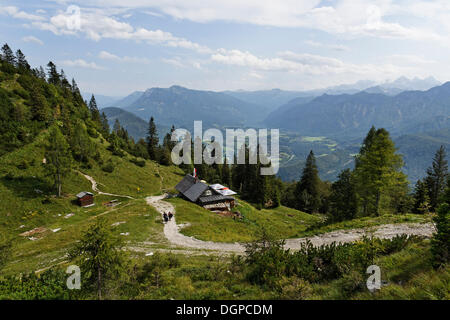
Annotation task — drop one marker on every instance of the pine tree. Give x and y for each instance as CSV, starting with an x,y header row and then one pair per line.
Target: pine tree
x,y
226,174
152,140
100,256
40,110
421,198
22,63
105,125
82,147
378,173
436,178
440,243
53,75
42,74
95,114
307,190
58,157
343,198
8,55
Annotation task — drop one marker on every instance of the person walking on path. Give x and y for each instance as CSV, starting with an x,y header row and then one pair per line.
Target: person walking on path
x,y
165,217
170,215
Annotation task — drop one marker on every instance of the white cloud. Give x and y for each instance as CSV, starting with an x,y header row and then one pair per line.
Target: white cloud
x,y
308,64
80,63
174,62
246,59
409,59
97,26
183,63
33,39
105,55
16,13
336,47
345,17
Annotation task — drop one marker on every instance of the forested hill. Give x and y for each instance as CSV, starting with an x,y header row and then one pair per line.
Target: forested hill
x,y
30,102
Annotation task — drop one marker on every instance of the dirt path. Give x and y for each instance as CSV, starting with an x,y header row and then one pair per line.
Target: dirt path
x,y
387,231
94,187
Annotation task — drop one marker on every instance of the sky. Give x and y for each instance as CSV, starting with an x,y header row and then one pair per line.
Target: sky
x,y
117,47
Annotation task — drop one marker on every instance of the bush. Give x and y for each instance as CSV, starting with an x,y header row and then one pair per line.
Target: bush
x,y
23,165
92,132
294,288
138,162
50,285
109,167
350,283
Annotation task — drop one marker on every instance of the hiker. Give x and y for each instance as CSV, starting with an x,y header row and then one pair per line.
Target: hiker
x,y
170,215
165,217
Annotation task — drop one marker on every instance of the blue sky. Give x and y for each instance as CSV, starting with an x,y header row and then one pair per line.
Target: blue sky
x,y
122,46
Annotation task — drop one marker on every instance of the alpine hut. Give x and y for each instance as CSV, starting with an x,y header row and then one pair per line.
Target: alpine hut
x,y
85,199
209,197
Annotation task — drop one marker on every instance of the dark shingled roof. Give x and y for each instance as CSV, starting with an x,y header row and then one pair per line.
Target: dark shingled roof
x,y
187,182
214,198
194,192
190,189
83,193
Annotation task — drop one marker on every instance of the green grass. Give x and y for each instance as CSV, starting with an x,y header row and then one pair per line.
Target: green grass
x,y
205,225
410,276
28,201
140,221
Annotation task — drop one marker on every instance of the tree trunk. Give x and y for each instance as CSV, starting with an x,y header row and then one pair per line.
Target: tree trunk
x,y
377,204
59,185
99,284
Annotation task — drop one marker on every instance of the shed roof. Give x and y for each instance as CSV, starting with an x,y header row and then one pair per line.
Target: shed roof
x,y
194,192
214,198
222,189
190,188
84,193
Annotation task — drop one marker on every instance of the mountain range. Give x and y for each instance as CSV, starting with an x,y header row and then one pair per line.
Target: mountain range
x,y
417,120
351,116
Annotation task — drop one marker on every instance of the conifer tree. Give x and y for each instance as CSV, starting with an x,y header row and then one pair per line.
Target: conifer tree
x,y
22,63
95,114
42,74
437,178
307,190
58,157
378,173
82,146
53,75
421,198
8,55
343,198
152,140
105,125
440,243
100,256
226,174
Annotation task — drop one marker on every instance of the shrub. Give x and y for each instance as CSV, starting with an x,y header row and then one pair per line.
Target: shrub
x,y
109,167
294,288
350,283
92,132
23,165
138,162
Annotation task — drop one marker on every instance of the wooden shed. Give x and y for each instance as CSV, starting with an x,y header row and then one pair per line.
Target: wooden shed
x,y
85,199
